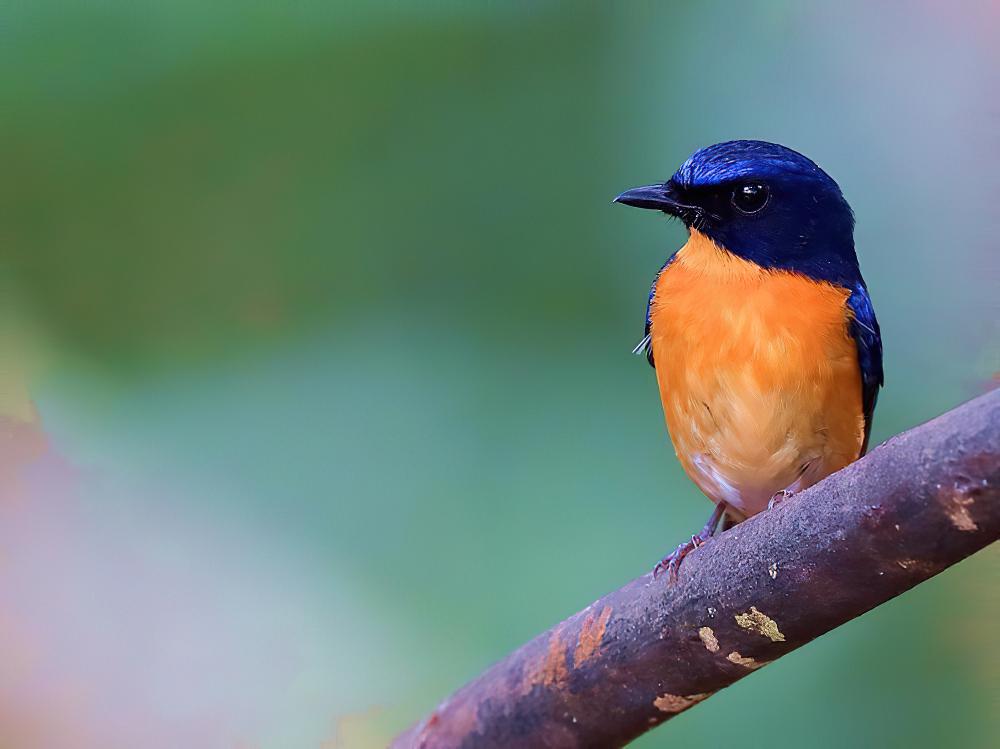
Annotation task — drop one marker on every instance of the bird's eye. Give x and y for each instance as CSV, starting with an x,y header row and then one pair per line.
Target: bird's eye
x,y
751,197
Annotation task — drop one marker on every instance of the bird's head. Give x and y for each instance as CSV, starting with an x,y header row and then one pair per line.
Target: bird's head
x,y
763,202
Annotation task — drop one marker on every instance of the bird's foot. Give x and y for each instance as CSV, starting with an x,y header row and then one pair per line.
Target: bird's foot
x,y
672,562
778,497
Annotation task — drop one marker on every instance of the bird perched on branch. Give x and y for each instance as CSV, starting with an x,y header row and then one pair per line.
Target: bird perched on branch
x,y
766,348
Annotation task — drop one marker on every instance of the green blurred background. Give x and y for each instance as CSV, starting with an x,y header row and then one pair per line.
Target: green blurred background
x,y
316,319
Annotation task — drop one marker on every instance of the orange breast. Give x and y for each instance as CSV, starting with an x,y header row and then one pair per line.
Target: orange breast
x,y
758,375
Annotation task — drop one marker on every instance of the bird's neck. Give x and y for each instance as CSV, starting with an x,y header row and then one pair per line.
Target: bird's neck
x,y
700,255
703,256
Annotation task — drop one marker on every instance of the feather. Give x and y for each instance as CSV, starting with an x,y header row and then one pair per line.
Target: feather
x,y
645,346
865,332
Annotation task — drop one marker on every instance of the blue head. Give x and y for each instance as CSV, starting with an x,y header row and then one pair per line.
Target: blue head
x,y
765,203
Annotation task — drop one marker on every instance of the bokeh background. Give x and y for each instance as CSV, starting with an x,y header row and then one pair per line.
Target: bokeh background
x,y
316,393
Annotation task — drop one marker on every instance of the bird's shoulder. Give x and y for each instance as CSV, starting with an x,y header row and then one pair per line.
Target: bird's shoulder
x,y
864,329
645,345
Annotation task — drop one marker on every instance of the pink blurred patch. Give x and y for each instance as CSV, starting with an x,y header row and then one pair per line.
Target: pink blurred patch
x,y
121,626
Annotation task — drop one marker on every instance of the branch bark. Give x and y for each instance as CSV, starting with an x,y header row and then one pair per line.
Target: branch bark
x,y
921,502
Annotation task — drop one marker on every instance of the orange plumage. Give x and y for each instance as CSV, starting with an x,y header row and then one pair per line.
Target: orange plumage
x,y
758,375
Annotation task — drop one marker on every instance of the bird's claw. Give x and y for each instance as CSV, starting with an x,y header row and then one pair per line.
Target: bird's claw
x,y
672,562
778,497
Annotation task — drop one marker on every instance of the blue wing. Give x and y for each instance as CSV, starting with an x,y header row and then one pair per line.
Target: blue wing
x,y
865,332
645,346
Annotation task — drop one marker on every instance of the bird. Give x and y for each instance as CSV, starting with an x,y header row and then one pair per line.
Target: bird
x,y
760,328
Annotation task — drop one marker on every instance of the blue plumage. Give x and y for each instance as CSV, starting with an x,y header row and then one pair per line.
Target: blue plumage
x,y
868,338
807,226
644,346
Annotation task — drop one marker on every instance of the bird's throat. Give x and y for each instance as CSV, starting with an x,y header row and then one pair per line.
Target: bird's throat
x,y
701,255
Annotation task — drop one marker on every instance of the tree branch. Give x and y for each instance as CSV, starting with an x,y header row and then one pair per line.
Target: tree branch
x,y
923,501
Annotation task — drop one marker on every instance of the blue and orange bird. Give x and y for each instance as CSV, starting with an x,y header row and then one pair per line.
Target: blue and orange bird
x,y
767,353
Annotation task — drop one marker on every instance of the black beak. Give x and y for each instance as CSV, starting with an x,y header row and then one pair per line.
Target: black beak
x,y
658,198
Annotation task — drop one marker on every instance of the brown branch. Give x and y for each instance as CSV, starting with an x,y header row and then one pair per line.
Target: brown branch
x,y
635,658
